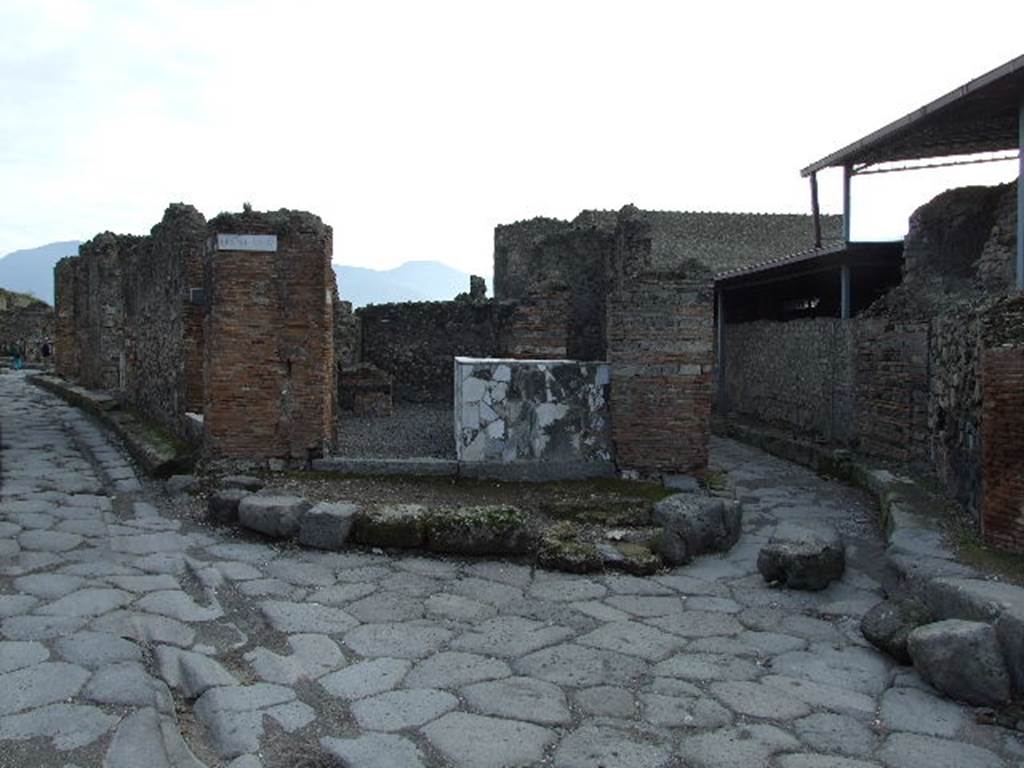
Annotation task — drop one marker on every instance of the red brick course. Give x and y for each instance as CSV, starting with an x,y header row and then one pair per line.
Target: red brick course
x,y
269,357
1002,431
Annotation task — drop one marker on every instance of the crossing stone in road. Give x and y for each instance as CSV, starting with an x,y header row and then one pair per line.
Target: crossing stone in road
x,y
134,633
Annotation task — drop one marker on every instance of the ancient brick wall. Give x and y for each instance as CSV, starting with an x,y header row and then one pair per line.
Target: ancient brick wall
x,y
536,327
798,375
347,334
892,389
269,360
65,273
161,340
1002,423
416,342
660,347
26,323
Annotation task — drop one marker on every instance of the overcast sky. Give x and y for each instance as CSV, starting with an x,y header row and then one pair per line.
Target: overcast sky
x,y
414,127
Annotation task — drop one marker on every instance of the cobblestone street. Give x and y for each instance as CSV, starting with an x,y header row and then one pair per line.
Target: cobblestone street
x,y
132,637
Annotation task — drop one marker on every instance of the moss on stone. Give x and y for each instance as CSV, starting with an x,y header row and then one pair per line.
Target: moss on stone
x,y
638,559
561,548
479,530
613,512
394,525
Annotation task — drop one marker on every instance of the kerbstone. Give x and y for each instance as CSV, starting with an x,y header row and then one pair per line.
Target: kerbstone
x,y
275,516
962,659
222,507
327,525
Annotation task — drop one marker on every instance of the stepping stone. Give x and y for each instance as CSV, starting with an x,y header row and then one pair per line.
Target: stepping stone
x,y
694,525
802,556
222,507
888,625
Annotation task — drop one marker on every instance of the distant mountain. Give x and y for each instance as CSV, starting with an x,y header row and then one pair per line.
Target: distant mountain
x,y
412,281
31,271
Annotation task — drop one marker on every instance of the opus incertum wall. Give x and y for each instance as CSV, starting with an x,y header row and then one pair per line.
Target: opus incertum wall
x,y
551,413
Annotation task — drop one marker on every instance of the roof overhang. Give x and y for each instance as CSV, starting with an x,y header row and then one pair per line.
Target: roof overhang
x,y
981,116
815,260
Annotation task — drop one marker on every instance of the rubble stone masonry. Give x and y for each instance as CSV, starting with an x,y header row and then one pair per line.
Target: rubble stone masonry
x,y
25,322
269,373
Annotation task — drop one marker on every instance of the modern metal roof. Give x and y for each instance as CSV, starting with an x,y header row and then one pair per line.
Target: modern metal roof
x,y
980,116
827,257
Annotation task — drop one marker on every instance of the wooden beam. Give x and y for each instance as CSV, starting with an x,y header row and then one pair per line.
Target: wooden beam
x,y
815,210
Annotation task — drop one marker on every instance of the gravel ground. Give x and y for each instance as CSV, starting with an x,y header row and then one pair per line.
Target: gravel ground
x,y
413,430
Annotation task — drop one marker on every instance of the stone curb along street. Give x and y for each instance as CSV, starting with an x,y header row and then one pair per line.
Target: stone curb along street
x,y
134,633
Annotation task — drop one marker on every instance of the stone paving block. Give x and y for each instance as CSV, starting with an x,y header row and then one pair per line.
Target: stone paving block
x,y
453,669
684,711
386,606
312,656
234,716
606,701
474,741
275,516
632,639
578,666
179,605
306,618
16,605
45,683
402,640
857,669
18,654
49,541
87,602
327,525
910,709
192,673
608,747
805,760
911,750
396,710
366,678
834,698
40,627
827,732
68,726
145,628
736,747
520,698
374,750
756,700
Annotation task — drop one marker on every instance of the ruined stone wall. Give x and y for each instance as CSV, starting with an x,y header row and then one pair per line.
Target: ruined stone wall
x,y
798,375
99,309
416,342
161,344
531,411
25,322
513,247
892,389
536,327
66,362
660,347
347,335
269,359
1002,423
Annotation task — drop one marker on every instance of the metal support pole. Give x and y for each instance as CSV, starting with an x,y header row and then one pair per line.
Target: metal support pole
x,y
844,291
720,351
847,175
1020,199
815,210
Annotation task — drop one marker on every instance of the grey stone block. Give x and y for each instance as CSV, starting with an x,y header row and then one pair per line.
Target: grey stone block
x,y
327,525
963,660
222,507
241,482
888,625
392,525
803,557
276,516
693,525
179,484
972,599
483,530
